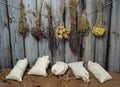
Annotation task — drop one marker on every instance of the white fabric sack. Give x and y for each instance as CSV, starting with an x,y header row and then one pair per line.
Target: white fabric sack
x,y
79,71
98,71
18,70
59,68
40,66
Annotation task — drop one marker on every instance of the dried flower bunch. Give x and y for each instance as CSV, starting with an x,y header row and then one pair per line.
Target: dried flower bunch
x,y
83,26
23,26
98,29
73,36
37,31
61,32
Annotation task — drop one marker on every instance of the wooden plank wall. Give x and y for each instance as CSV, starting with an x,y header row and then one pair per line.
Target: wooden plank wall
x,y
13,46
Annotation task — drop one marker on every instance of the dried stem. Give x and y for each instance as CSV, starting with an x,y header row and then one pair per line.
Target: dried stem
x,y
73,41
23,26
51,33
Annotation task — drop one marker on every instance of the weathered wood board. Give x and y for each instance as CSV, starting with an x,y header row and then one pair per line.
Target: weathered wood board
x,y
69,56
13,46
5,51
17,40
58,54
31,48
102,42
89,41
114,53
43,42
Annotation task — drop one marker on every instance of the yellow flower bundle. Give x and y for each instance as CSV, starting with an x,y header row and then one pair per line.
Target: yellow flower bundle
x,y
61,32
98,31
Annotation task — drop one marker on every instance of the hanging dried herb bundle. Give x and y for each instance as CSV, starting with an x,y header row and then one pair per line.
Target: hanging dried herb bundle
x,y
83,26
23,26
37,31
61,31
98,29
51,33
73,40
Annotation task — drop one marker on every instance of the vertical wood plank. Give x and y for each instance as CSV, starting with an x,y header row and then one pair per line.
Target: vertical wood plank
x,y
58,54
79,11
69,56
114,53
16,38
88,44
31,49
5,54
101,43
43,43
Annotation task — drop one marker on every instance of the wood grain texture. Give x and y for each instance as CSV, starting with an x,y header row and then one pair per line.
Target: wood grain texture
x,y
5,54
31,48
79,11
13,46
89,41
58,54
17,42
69,56
101,43
43,42
114,53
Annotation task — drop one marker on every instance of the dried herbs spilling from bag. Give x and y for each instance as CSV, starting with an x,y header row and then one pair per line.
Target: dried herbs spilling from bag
x,y
23,26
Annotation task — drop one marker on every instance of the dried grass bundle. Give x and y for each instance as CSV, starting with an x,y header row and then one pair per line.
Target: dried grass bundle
x,y
83,26
73,40
23,26
51,33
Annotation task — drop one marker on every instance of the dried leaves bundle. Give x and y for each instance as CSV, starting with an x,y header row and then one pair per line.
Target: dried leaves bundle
x,y
51,33
37,31
83,26
73,40
23,26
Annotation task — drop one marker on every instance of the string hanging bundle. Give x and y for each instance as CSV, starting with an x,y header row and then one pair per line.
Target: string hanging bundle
x,y
51,34
37,31
23,26
83,26
98,29
73,36
61,32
